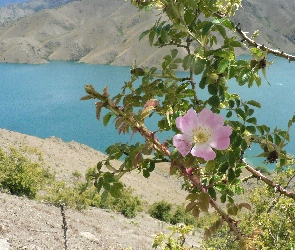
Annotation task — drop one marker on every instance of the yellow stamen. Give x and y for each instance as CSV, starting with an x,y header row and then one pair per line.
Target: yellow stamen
x,y
201,134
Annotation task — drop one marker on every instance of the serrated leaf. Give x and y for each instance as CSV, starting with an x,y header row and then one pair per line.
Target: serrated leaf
x,y
192,197
223,198
214,101
240,113
232,210
115,192
190,206
196,212
223,65
212,192
174,53
254,103
231,103
98,184
228,24
203,203
223,167
207,28
229,114
251,129
221,30
199,66
291,121
252,120
106,186
212,89
231,175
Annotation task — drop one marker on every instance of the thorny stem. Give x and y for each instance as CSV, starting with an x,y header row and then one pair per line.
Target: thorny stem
x,y
275,201
269,182
231,222
261,46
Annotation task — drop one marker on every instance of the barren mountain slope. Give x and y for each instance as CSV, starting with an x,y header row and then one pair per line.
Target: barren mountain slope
x,y
19,10
106,32
66,157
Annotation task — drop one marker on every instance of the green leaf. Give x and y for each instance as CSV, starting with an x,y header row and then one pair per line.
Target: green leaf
x,y
237,142
143,34
252,120
221,30
212,192
251,129
214,101
229,114
291,121
203,202
231,158
223,65
212,89
189,17
190,206
277,139
244,76
223,168
174,53
199,66
151,37
254,103
146,173
203,82
240,113
107,118
187,61
115,192
106,186
228,24
223,198
231,104
231,175
207,28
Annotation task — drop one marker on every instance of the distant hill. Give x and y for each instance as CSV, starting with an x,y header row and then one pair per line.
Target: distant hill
x,y
9,2
106,32
15,9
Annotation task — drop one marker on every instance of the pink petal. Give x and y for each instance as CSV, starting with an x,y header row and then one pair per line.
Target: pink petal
x,y
220,138
182,143
207,117
187,122
203,151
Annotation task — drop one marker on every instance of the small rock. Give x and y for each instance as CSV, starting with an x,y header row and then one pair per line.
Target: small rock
x,y
89,236
4,245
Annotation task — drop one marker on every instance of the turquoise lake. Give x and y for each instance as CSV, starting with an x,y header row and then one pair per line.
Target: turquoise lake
x,y
44,100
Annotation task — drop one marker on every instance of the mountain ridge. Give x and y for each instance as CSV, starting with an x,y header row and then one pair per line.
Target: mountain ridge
x,y
106,32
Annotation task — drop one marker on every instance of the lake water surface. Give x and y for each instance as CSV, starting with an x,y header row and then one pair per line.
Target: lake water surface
x,y
44,100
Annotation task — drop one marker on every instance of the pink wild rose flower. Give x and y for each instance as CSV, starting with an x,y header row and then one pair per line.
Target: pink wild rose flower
x,y
200,133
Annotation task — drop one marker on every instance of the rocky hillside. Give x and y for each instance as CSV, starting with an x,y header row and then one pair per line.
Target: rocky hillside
x,y
16,11
106,32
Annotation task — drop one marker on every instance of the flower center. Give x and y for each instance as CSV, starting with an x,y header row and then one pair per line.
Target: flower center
x,y
201,134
